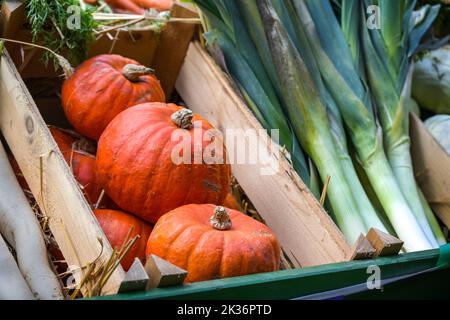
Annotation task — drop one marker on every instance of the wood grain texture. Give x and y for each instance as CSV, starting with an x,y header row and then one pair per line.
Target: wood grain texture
x,y
432,169
70,218
172,47
306,232
136,278
163,273
384,244
362,249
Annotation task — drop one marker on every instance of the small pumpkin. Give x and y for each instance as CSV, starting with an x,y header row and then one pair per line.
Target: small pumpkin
x,y
64,140
214,242
136,165
81,162
104,86
116,226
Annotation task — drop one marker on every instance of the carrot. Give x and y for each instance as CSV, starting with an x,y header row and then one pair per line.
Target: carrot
x,y
125,5
160,5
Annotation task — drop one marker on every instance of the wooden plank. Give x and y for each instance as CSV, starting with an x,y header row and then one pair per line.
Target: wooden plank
x,y
12,11
172,47
70,218
163,273
361,250
432,168
384,244
306,232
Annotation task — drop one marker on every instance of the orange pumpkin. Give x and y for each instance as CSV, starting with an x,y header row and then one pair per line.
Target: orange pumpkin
x,y
214,242
104,86
81,162
64,140
116,225
137,168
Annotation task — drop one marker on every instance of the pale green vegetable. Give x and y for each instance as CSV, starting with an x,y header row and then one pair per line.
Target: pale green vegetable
x,y
387,55
431,81
339,65
310,120
439,127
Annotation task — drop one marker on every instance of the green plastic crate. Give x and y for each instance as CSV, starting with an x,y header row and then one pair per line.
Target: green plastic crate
x,y
414,275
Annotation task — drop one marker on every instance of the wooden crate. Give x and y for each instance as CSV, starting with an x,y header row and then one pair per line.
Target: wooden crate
x,y
70,218
161,49
307,234
282,200
24,120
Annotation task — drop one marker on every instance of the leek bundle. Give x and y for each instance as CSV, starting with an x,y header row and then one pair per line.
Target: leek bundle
x,y
340,65
295,60
308,117
286,12
387,55
310,120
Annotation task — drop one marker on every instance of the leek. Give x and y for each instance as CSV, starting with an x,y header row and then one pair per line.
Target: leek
x,y
341,74
310,120
387,53
366,209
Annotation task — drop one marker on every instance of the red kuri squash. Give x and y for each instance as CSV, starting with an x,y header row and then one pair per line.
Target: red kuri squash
x,y
140,166
116,225
214,242
81,162
104,86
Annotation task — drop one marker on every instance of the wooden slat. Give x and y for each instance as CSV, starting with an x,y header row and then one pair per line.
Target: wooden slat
x,y
136,278
384,244
172,47
362,249
70,219
432,167
162,273
306,232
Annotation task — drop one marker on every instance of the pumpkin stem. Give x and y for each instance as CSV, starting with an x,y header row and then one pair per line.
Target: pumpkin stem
x,y
133,72
221,219
183,118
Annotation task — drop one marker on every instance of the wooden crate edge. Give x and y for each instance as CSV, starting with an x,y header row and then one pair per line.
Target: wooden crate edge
x,y
31,142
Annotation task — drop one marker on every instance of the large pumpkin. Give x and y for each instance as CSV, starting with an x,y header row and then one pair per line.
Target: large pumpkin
x,y
104,86
140,166
213,242
116,226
